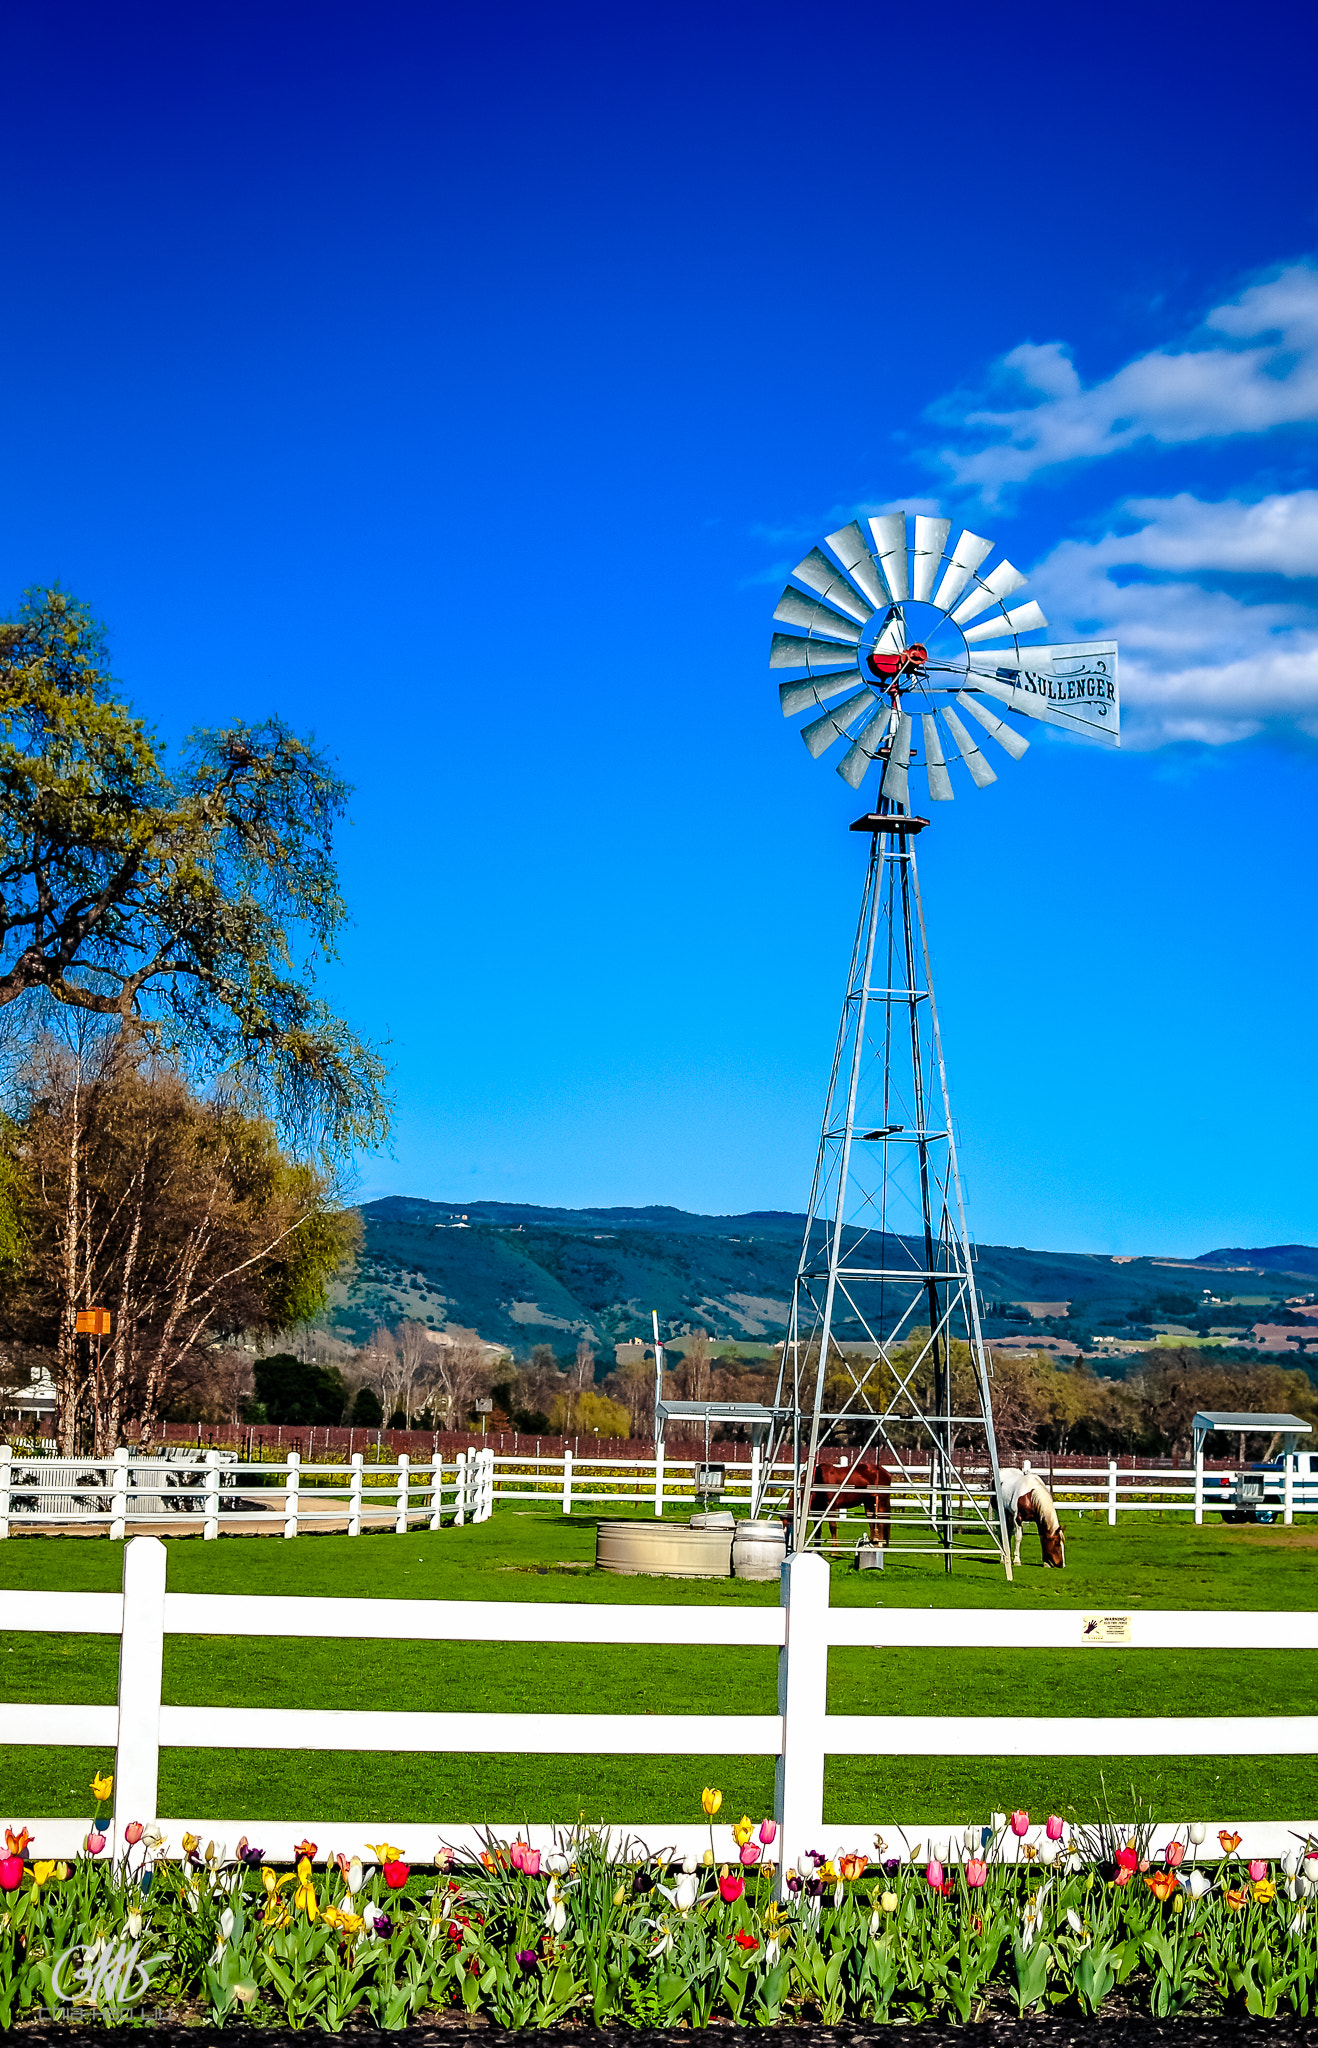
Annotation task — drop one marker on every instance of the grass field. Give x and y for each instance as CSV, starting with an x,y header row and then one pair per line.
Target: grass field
x,y
536,1554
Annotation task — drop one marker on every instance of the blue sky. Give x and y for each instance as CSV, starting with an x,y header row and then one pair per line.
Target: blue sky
x,y
461,383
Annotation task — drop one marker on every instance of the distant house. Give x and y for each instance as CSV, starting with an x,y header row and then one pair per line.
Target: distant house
x,y
633,1352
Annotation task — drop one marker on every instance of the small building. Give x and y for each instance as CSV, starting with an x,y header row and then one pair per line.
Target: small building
x,y
1288,1427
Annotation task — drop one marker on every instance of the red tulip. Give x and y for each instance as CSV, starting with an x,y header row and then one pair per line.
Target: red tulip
x,y
1174,1855
976,1872
396,1875
731,1889
11,1873
133,1833
1127,1859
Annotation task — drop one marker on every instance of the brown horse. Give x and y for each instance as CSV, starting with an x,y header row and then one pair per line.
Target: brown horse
x,y
849,1480
1026,1499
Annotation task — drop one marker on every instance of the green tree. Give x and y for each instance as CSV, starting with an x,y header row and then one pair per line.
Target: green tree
x,y
366,1412
196,898
291,1391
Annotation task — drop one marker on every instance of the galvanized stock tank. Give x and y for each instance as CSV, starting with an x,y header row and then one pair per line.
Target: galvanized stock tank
x,y
666,1550
758,1550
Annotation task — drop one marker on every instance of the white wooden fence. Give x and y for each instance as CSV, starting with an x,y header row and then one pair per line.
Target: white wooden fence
x,y
802,1628
214,1493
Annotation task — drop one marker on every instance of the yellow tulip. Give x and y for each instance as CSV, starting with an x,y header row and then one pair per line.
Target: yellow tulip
x,y
384,1852
743,1831
102,1787
42,1873
191,1843
888,1901
620,1895
304,1898
711,1799
342,1921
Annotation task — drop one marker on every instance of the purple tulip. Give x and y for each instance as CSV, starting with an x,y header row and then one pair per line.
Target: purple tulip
x,y
526,1957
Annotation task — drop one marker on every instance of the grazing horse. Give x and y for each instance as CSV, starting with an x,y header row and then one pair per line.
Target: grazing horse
x,y
843,1480
1025,1498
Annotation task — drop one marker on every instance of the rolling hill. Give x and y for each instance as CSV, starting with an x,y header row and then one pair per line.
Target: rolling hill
x,y
522,1276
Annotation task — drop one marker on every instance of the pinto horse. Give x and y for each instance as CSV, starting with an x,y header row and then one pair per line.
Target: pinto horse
x,y
1025,1498
843,1480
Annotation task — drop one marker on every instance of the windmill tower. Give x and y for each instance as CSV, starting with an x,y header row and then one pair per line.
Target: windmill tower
x,y
884,1362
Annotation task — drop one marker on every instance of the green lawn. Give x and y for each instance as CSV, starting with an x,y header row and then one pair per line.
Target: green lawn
x,y
527,1555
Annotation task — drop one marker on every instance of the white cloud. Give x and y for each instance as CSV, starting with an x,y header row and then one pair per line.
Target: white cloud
x,y
1196,663
1264,375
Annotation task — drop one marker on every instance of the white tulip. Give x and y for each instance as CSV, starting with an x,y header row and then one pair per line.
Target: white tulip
x,y
134,1922
970,1840
1197,1884
1073,1864
1290,1863
353,1880
689,1866
1049,1852
771,1950
688,1888
876,1925
1073,1920
1197,1831
556,1862
226,1924
556,1918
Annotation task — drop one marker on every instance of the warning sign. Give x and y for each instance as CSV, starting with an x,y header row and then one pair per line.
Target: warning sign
x,y
1105,1628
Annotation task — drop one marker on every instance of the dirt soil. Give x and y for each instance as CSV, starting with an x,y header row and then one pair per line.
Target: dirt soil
x,y
1113,2029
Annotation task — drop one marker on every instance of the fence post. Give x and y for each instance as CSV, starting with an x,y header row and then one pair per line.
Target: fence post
x,y
437,1491
1112,1493
141,1657
756,1482
485,1484
460,1498
802,1697
1288,1497
659,1480
290,1495
6,1474
211,1496
1199,1487
355,1496
567,1479
119,1495
404,1486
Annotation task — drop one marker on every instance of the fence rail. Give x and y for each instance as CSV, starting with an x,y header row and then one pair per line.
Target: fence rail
x,y
802,1629
217,1492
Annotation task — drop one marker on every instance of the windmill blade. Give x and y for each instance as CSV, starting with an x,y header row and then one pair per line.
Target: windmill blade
x,y
1005,735
940,782
796,697
849,545
892,639
1000,583
895,785
864,749
1027,618
785,651
821,732
889,530
826,580
813,618
1072,685
980,772
930,540
967,555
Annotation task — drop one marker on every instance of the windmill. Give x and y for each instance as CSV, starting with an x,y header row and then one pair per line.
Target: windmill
x,y
907,652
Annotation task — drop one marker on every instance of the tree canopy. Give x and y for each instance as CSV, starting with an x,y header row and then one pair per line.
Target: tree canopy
x,y
195,898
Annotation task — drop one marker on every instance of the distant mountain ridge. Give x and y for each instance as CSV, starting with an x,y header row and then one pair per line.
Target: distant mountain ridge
x,y
524,1274
1274,1258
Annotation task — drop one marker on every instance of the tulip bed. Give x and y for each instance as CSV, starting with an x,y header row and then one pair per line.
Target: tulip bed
x,y
586,1932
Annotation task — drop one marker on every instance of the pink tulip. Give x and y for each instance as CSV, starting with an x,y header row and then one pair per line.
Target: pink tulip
x,y
1257,1869
11,1873
1174,1855
976,1872
751,1852
1054,1827
934,1876
768,1832
133,1833
94,1843
1020,1822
